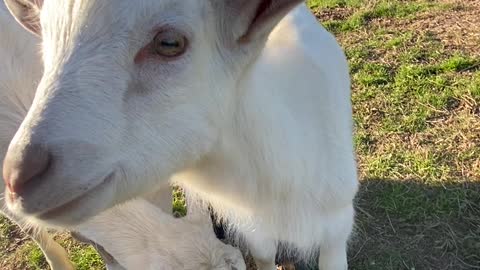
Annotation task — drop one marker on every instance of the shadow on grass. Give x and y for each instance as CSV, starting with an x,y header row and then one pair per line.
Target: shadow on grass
x,y
415,225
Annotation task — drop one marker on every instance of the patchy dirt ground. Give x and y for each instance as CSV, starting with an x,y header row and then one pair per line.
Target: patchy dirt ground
x,y
416,94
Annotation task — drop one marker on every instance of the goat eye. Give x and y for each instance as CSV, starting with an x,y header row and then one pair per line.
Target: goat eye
x,y
169,44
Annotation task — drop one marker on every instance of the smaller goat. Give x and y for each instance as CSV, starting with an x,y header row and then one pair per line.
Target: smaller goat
x,y
144,237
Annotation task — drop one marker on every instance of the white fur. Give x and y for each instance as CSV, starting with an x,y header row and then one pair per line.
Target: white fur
x,y
135,239
261,130
140,236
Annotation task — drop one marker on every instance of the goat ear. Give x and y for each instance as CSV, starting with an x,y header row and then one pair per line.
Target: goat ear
x,y
255,19
27,13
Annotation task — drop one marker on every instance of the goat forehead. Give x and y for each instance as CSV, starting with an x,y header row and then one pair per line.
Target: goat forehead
x,y
87,19
76,27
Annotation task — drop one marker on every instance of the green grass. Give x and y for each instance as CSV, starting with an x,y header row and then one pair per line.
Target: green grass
x,y
416,99
84,258
179,203
380,9
33,256
334,3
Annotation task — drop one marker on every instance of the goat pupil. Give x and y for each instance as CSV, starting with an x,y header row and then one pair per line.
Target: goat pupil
x,y
170,43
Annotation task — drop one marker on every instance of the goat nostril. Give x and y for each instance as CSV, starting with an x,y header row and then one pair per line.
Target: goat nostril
x,y
22,164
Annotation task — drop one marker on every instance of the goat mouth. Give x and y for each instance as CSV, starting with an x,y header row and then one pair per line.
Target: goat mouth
x,y
71,205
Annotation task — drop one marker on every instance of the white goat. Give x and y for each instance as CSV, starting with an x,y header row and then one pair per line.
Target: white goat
x,y
245,106
136,238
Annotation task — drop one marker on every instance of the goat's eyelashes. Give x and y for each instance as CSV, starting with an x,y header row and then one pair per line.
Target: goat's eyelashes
x,y
169,44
